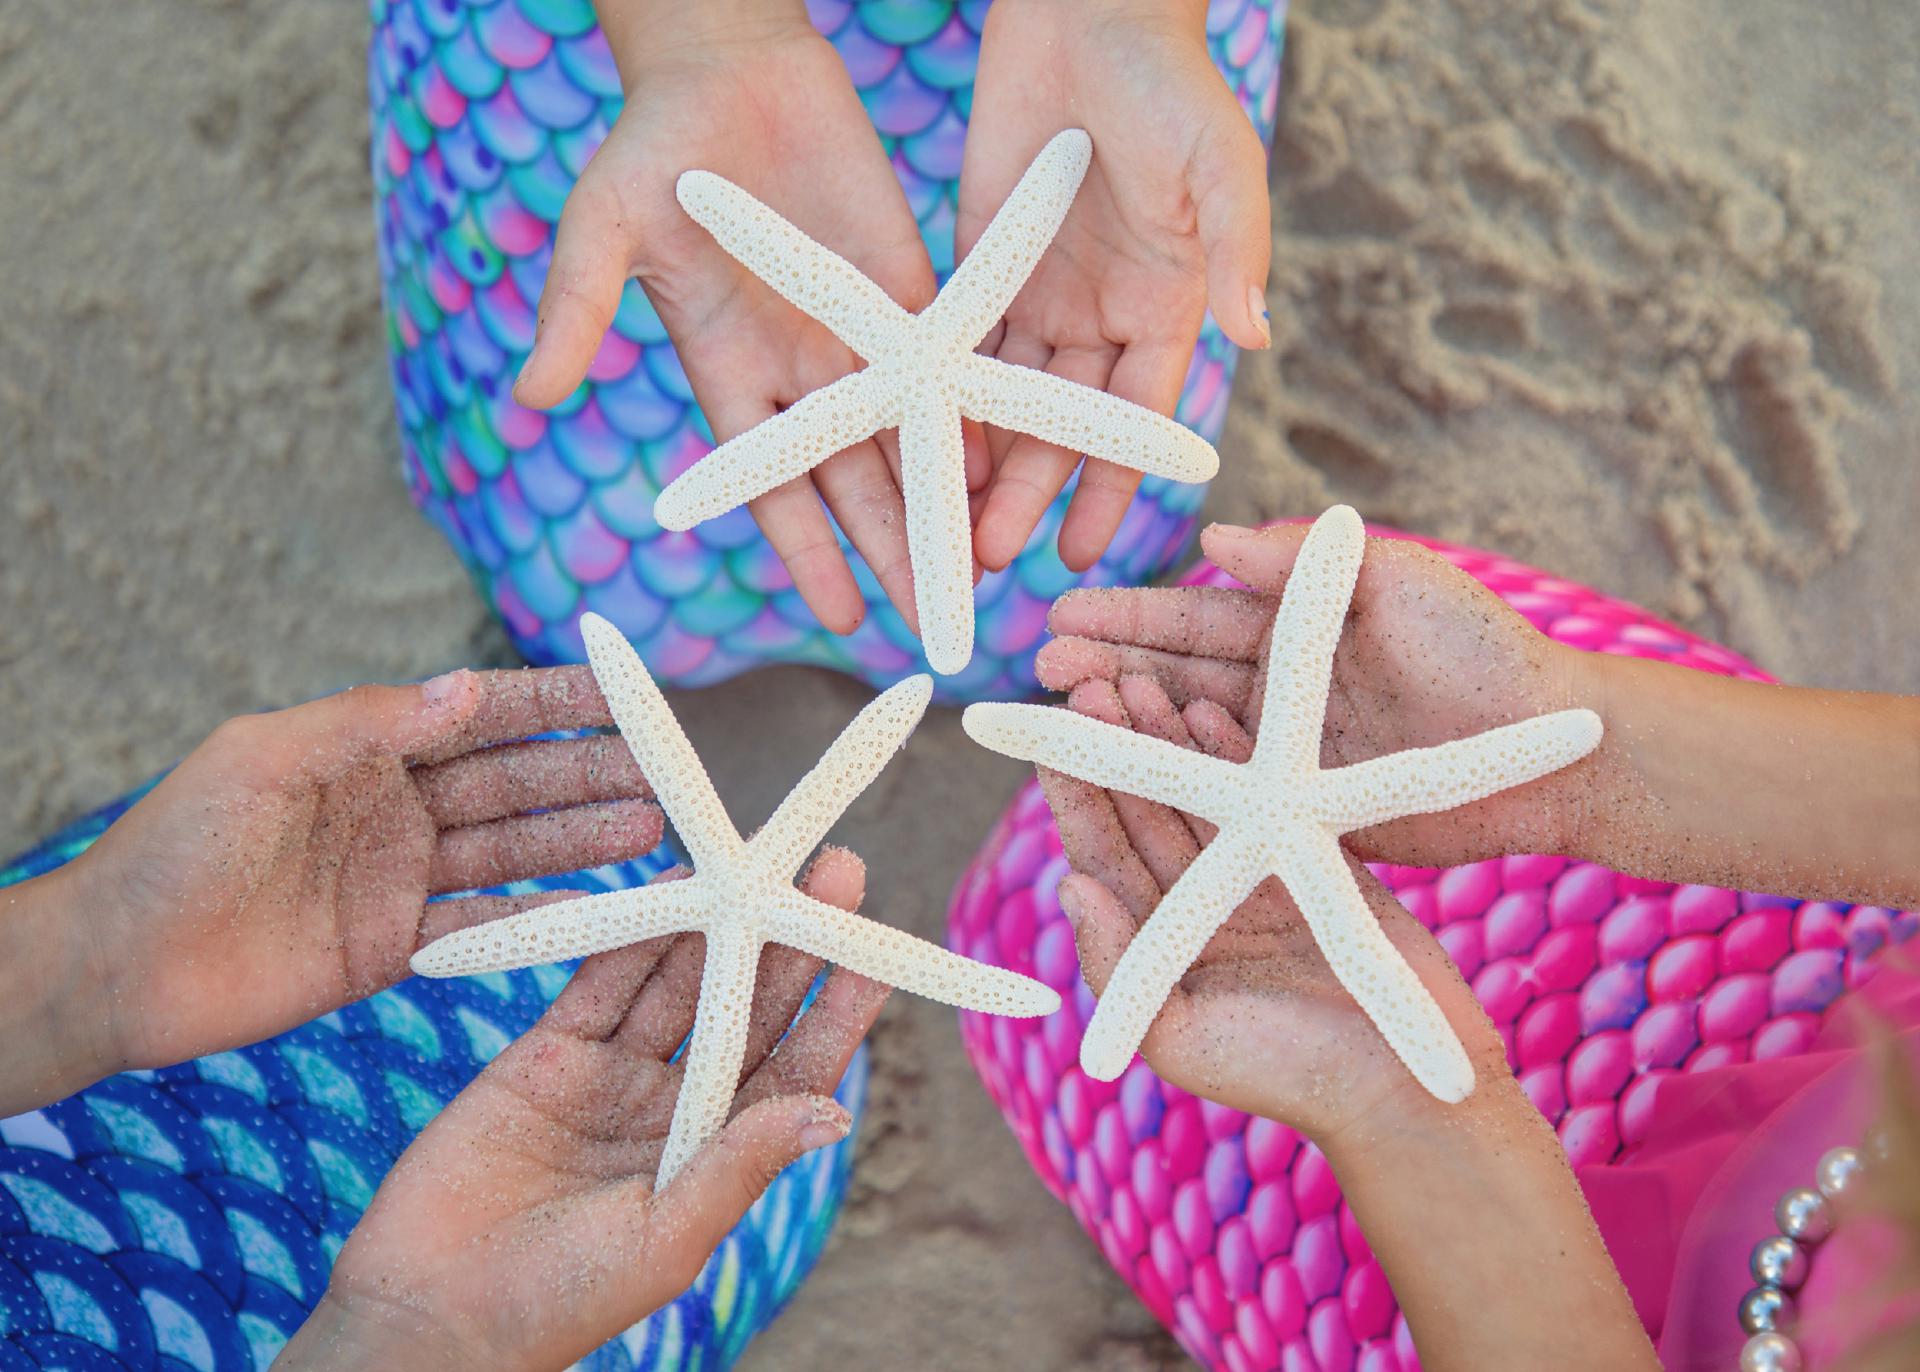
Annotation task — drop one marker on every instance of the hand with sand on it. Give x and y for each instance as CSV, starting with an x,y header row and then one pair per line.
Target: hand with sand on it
x,y
284,868
748,90
522,1229
1259,1023
1428,654
1171,221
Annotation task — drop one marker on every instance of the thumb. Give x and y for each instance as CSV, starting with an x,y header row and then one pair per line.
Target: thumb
x,y
1102,928
1228,174
581,297
325,738
724,1179
1257,558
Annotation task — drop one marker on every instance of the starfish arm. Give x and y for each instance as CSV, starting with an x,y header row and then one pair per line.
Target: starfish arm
x,y
814,279
710,1070
1315,871
1105,755
569,929
845,770
1313,612
982,287
933,481
1164,948
1084,420
899,959
773,452
1421,781
659,745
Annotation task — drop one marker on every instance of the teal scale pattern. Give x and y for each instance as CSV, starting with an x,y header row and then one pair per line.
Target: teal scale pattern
x,y
484,114
187,1218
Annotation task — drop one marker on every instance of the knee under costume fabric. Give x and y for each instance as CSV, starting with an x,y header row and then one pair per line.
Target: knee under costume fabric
x,y
188,1217
484,114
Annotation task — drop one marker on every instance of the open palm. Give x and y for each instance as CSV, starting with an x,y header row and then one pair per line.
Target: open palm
x,y
1259,1023
283,869
522,1228
1171,219
1428,655
775,112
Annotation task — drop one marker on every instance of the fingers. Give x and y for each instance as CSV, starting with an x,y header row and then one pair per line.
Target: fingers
x,y
1200,621
1217,732
1259,558
439,918
1228,175
1066,663
1096,842
1154,714
548,774
595,1002
1102,927
862,489
1148,373
1034,471
1157,833
513,705
837,877
725,1178
543,845
590,267
814,1056
796,525
325,738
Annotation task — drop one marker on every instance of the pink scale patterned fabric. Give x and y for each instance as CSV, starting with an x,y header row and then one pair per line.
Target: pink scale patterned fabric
x,y
1232,1228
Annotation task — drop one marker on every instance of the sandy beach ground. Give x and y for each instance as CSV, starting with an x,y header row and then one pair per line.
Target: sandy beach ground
x,y
1625,288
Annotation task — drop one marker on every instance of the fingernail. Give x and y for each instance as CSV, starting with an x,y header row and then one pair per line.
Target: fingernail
x,y
1072,904
1231,533
437,693
1257,311
830,1124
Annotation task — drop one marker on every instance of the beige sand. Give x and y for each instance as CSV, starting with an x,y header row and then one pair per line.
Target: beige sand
x,y
1623,288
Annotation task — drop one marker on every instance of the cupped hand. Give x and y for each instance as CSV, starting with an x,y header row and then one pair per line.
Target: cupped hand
x,y
1428,655
1172,220
1259,1023
284,868
522,1228
764,101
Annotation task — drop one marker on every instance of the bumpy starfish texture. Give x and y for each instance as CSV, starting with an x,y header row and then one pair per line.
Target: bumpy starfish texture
x,y
741,895
922,377
1281,814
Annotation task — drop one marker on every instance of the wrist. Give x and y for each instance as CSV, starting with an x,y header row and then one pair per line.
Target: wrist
x,y
645,35
344,1333
56,1032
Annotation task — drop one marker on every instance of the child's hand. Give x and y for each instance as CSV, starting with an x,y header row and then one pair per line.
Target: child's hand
x,y
1171,221
283,868
1428,654
521,1229
751,92
1260,1023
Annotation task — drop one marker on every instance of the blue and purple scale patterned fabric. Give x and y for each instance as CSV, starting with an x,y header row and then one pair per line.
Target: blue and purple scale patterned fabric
x,y
484,113
187,1218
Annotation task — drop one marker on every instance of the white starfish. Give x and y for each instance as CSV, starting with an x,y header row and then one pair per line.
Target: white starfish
x,y
923,375
1280,814
741,894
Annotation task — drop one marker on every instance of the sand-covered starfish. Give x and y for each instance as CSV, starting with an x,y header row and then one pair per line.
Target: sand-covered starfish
x,y
1280,814
741,895
922,377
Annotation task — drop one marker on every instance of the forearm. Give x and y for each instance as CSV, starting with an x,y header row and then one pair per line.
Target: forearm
x,y
1781,789
643,31
52,1019
1480,1228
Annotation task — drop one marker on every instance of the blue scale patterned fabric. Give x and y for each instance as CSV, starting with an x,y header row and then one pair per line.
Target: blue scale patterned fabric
x,y
187,1218
484,113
